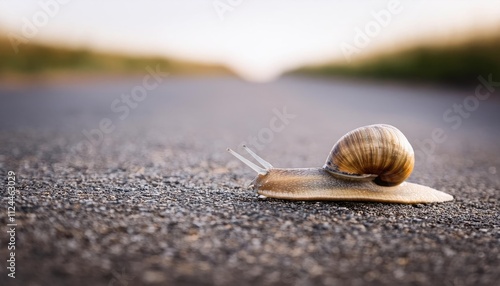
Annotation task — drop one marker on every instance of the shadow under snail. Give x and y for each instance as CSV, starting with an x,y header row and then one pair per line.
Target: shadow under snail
x,y
370,163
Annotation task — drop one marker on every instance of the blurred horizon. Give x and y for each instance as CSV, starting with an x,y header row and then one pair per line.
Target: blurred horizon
x,y
258,40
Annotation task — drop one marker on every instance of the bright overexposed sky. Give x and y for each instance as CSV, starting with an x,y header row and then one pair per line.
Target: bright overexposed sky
x,y
259,39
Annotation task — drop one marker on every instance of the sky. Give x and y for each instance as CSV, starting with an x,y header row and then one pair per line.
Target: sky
x,y
259,39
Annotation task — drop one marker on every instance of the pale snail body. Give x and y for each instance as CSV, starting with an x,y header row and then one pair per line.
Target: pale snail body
x,y
370,163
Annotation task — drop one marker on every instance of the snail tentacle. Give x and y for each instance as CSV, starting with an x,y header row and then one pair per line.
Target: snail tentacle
x,y
263,162
258,169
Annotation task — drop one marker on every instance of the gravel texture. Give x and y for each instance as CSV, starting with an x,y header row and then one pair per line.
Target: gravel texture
x,y
160,202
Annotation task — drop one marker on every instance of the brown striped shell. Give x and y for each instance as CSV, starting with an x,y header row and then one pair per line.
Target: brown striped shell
x,y
380,151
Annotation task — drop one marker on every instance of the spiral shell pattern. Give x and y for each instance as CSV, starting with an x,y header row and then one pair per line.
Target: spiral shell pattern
x,y
380,150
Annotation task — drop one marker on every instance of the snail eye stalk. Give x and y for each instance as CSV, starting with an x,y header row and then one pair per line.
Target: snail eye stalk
x,y
259,170
263,162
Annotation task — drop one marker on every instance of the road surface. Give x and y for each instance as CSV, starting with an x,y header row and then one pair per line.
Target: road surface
x,y
126,181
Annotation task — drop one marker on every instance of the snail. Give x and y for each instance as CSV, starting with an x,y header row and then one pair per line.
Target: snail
x,y
370,163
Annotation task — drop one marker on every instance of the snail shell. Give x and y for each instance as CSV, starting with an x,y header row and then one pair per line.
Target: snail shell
x,y
380,151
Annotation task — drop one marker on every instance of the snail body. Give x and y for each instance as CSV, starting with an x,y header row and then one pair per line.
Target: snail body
x,y
370,163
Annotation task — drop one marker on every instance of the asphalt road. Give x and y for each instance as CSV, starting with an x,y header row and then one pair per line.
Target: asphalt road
x,y
156,199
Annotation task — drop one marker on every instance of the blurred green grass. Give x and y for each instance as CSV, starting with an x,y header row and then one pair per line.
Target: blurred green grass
x,y
455,64
37,59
